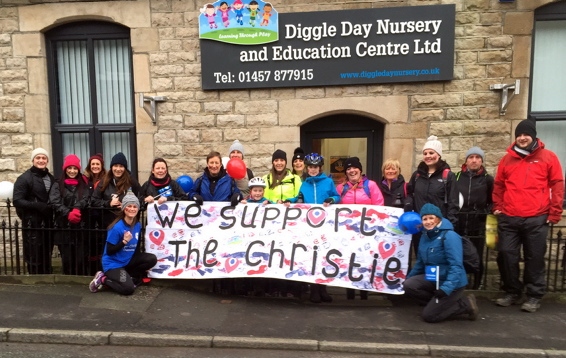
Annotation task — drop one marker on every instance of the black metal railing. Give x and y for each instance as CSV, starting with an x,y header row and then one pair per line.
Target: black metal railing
x,y
88,237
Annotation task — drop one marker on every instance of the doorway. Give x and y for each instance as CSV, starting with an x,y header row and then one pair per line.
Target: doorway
x,y
340,136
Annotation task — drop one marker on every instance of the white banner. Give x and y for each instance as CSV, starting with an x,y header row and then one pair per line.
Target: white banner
x,y
351,246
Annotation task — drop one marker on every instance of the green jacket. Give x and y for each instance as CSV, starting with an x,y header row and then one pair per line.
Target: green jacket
x,y
289,187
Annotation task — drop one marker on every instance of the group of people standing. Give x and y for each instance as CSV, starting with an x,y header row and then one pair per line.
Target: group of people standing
x,y
526,195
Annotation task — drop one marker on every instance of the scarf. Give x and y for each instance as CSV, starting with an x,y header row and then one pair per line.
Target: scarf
x,y
160,183
526,151
72,182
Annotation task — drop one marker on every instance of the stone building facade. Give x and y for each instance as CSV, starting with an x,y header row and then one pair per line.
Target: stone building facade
x,y
492,45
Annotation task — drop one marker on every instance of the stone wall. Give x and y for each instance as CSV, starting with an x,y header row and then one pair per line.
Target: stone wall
x,y
492,45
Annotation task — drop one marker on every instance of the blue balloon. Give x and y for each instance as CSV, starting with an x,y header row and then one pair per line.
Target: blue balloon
x,y
410,223
185,182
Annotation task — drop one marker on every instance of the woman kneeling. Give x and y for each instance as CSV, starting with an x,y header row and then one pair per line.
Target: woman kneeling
x,y
440,254
123,263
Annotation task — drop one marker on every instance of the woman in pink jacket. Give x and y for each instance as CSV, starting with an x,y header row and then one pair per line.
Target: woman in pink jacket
x,y
358,189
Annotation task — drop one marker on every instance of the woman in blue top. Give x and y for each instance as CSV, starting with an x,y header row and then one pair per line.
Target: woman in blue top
x,y
440,248
215,184
317,188
123,262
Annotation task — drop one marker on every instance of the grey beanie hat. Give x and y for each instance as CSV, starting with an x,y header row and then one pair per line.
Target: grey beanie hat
x,y
130,198
475,150
236,145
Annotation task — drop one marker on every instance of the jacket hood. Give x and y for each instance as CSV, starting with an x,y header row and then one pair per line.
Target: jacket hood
x,y
441,166
513,153
319,177
445,225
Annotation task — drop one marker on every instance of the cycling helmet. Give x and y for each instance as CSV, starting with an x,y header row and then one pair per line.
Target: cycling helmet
x,y
314,159
256,181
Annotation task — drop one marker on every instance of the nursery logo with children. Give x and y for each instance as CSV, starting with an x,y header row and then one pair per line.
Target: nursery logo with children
x,y
245,22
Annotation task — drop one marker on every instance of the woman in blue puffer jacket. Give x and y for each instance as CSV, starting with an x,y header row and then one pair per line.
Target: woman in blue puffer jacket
x,y
440,248
317,188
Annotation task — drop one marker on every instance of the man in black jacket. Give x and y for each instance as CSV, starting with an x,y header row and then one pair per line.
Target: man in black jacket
x,y
475,186
31,200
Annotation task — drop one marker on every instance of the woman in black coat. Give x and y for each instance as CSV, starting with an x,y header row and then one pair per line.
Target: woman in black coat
x,y
160,187
392,184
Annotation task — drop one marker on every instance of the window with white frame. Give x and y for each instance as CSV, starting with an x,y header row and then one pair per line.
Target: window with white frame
x,y
91,91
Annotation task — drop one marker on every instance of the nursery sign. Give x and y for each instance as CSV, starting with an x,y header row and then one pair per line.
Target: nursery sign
x,y
363,46
352,246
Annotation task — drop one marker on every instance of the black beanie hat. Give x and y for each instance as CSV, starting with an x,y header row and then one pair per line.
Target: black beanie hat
x,y
527,127
353,162
298,154
119,158
279,154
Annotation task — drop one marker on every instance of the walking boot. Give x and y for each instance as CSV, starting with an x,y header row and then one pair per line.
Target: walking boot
x,y
324,296
350,293
508,300
473,310
315,294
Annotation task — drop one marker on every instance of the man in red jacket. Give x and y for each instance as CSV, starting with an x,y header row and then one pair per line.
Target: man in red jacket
x,y
527,196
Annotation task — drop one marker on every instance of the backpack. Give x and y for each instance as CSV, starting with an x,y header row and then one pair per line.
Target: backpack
x,y
346,187
470,255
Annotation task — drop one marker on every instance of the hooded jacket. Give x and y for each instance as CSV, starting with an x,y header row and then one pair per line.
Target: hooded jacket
x,y
31,199
442,247
219,188
424,189
475,191
398,189
358,194
287,189
529,186
314,190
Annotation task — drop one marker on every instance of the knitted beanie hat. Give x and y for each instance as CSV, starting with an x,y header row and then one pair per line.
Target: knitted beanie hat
x,y
527,127
70,160
434,144
236,145
430,209
298,154
130,198
97,156
477,151
279,154
119,158
353,162
38,151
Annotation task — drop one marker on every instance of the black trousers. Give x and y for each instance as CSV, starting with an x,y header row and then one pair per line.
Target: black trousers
x,y
38,248
530,234
423,291
120,279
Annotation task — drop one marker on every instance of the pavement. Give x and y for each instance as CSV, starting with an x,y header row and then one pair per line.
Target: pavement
x,y
183,313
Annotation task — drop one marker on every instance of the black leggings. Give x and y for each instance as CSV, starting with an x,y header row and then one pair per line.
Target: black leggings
x,y
120,279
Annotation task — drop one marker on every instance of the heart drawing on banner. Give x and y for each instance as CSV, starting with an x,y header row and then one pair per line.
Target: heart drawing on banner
x,y
157,236
230,264
316,216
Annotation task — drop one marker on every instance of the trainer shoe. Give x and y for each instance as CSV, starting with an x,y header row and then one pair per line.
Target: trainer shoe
x,y
508,300
474,310
531,305
96,283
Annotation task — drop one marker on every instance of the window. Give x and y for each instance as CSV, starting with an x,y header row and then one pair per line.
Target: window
x,y
548,80
91,92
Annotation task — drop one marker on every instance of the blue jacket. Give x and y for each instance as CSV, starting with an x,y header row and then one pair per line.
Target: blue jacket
x,y
445,253
315,190
123,257
225,187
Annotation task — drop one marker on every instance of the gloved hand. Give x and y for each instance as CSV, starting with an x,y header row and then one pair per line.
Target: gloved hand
x,y
439,294
39,206
235,199
74,216
198,199
329,200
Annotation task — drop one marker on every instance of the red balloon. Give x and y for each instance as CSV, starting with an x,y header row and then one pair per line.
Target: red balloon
x,y
236,168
